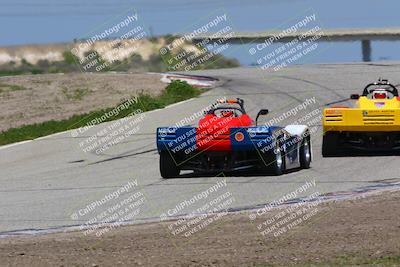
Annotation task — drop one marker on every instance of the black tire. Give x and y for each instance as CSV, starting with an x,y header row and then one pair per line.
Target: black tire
x,y
168,167
278,159
305,153
330,142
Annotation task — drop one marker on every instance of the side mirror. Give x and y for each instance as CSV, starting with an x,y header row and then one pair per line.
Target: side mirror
x,y
354,96
261,112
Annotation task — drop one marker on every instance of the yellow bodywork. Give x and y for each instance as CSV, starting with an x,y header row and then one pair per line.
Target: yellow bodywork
x,y
368,115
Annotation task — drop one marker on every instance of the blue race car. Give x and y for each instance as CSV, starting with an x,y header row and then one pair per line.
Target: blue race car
x,y
227,139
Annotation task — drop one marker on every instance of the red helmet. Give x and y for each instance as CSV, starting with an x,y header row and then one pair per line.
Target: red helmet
x,y
380,94
227,113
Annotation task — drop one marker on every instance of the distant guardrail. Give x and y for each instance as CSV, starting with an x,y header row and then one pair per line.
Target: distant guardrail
x,y
365,36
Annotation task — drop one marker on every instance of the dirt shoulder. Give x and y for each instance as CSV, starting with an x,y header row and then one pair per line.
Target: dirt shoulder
x,y
362,232
28,99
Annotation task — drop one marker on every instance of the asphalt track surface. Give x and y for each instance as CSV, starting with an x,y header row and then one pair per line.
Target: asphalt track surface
x,y
45,181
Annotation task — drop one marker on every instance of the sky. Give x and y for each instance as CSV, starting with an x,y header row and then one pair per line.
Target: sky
x,y
52,21
44,21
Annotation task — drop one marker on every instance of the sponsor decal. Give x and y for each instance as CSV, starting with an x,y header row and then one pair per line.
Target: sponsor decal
x,y
379,104
333,112
239,136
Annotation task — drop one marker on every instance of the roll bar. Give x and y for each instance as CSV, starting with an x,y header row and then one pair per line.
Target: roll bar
x,y
237,101
383,82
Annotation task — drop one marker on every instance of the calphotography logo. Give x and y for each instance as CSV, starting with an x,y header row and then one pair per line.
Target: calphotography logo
x,y
300,41
200,211
106,48
289,211
209,37
111,211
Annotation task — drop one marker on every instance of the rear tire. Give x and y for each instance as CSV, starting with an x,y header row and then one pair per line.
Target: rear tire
x,y
330,142
168,167
278,159
305,153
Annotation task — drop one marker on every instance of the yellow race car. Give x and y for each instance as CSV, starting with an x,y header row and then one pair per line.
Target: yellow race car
x,y
372,125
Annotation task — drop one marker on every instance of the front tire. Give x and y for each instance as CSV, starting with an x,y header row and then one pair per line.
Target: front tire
x,y
168,167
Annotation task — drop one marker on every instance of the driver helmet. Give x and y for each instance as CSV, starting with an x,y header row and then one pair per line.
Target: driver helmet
x,y
380,94
227,113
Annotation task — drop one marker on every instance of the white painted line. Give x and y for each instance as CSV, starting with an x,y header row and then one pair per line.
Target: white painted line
x,y
152,111
179,103
15,144
52,135
169,106
27,141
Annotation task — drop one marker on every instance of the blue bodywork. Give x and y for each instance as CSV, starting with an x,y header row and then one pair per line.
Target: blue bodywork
x,y
176,140
183,139
249,147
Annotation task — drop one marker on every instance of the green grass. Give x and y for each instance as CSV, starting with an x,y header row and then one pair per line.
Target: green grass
x,y
175,92
385,260
356,261
10,87
341,261
76,94
10,72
